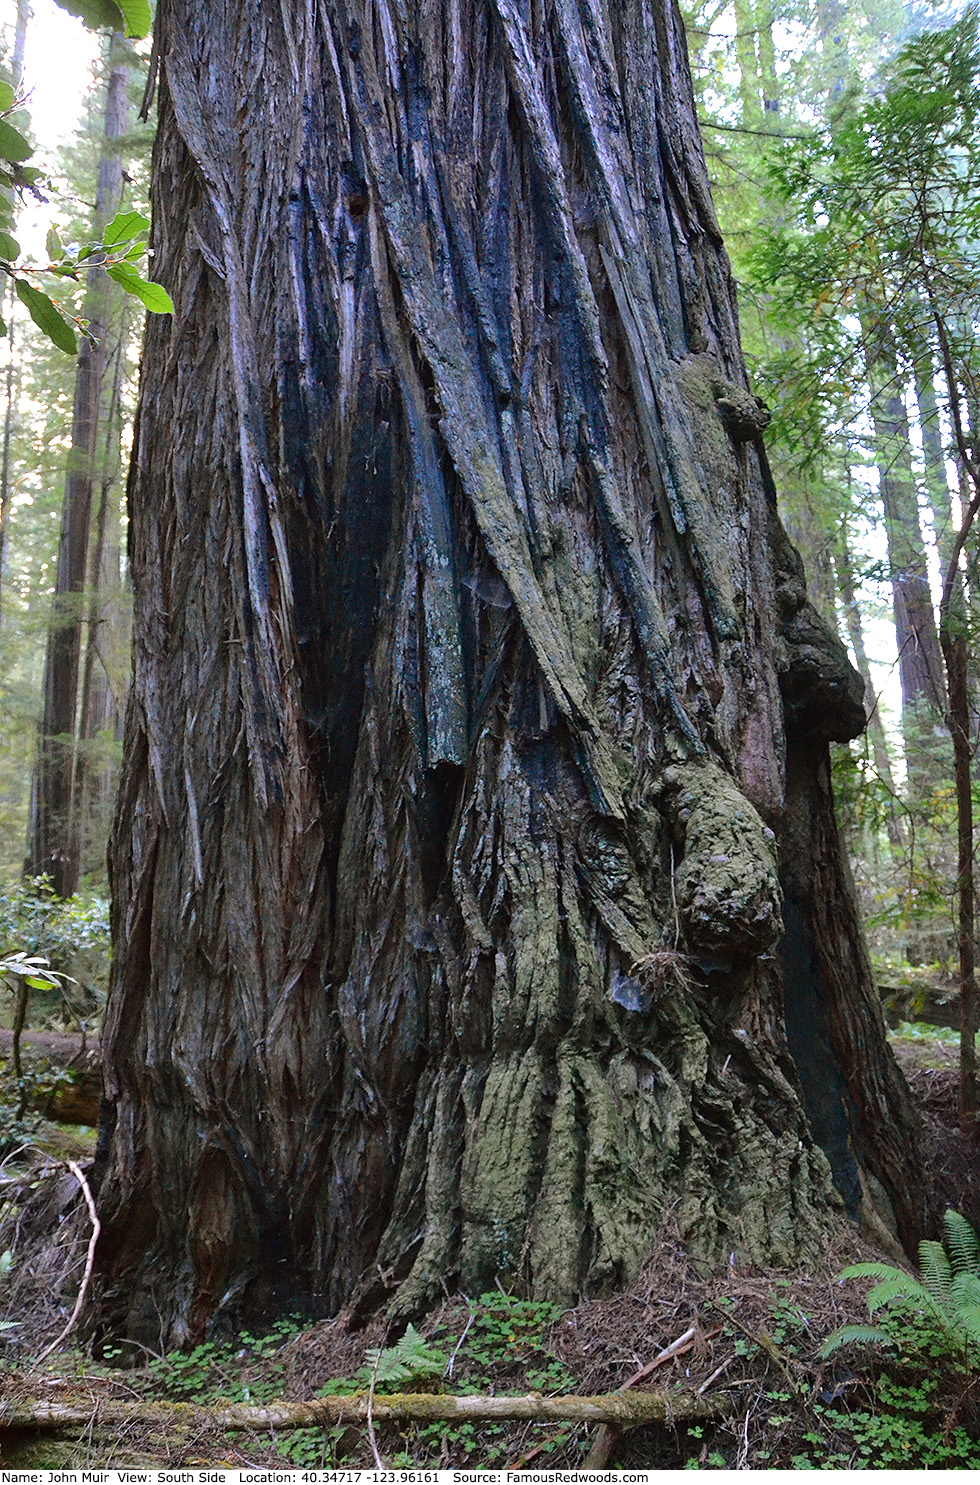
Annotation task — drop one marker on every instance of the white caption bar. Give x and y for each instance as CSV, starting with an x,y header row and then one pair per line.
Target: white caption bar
x,y
332,1477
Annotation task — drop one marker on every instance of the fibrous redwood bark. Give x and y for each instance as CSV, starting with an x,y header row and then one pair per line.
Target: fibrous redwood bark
x,y
469,650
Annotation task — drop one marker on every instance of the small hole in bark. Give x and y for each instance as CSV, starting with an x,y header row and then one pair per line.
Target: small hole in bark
x,y
357,206
504,399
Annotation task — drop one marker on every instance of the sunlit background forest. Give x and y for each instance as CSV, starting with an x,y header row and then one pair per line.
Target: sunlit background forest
x,y
843,142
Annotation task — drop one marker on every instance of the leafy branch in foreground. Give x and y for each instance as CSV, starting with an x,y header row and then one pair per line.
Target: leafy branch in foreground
x,y
132,17
26,972
122,244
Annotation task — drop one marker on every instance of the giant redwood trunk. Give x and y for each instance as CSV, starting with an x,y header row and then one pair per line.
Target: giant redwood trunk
x,y
477,701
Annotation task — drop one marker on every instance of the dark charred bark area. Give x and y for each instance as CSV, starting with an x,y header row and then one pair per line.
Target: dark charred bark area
x,y
445,863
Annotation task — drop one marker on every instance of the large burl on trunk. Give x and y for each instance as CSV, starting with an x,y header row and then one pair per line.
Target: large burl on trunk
x,y
478,708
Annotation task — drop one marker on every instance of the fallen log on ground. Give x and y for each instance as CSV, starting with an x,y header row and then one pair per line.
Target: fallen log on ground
x,y
624,1409
65,1070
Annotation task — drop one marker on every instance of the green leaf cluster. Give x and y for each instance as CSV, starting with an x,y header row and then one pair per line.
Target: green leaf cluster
x,y
124,240
132,17
874,236
408,1360
15,150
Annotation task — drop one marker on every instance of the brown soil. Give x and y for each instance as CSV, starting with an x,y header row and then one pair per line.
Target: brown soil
x,y
60,1048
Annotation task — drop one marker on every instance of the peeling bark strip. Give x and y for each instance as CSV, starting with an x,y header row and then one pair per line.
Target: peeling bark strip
x,y
468,651
626,1410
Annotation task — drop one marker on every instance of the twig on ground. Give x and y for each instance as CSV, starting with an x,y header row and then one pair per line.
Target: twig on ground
x,y
379,1463
605,1439
700,1391
76,1171
459,1343
766,1343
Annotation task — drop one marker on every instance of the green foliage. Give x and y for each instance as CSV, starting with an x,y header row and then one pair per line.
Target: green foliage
x,y
500,1338
410,1359
246,1370
47,316
72,935
315,1448
30,970
505,1329
133,17
123,241
944,1304
503,1344
877,232
903,1429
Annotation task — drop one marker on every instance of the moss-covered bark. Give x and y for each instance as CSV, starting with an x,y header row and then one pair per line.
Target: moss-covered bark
x,y
468,646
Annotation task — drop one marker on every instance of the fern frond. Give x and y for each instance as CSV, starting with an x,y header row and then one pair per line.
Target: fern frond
x,y
872,1271
857,1335
962,1242
965,1290
411,1356
937,1271
902,1286
968,1317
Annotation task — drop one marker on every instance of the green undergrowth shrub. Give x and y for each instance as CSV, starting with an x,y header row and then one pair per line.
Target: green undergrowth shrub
x,y
72,935
249,1369
918,1407
500,1346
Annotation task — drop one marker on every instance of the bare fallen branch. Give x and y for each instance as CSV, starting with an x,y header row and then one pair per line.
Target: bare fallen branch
x,y
605,1439
76,1171
625,1409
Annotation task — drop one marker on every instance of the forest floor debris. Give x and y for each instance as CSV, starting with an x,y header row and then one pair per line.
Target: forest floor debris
x,y
751,1338
931,1067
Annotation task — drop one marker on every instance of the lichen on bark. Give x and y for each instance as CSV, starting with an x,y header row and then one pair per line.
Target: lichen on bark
x,y
726,885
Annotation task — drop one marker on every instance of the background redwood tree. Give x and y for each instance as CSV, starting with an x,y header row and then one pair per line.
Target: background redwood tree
x,y
476,695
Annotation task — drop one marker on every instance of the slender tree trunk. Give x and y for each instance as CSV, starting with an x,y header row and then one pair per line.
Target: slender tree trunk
x,y
9,417
876,729
55,831
749,81
100,709
767,59
468,654
20,44
10,375
816,547
954,650
953,634
920,660
936,478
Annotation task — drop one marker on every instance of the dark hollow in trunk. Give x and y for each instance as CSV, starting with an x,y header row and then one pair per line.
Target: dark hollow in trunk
x,y
469,656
